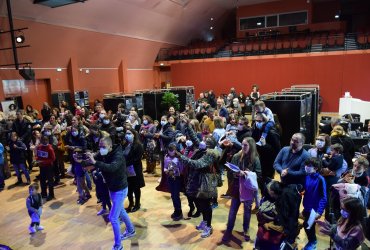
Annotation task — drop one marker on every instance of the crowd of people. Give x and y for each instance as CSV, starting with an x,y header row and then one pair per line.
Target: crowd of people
x,y
209,144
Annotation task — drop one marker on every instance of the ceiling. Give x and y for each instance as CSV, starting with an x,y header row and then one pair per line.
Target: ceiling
x,y
169,21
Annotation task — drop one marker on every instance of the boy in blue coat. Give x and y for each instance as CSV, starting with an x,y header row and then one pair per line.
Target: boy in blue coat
x,y
314,198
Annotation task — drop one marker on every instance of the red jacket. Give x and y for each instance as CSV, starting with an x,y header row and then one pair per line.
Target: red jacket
x,y
45,155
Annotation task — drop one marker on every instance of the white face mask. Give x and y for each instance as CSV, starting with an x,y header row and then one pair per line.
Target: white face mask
x,y
319,144
106,122
74,133
47,133
103,151
101,116
202,145
357,174
309,170
163,123
189,143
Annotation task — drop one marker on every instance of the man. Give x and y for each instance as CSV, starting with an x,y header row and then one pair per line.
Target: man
x,y
110,161
222,111
365,150
289,163
24,131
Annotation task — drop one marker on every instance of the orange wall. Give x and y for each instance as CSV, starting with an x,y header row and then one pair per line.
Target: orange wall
x,y
335,73
53,46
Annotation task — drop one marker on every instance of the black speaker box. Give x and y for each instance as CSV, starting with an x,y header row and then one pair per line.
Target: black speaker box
x,y
27,73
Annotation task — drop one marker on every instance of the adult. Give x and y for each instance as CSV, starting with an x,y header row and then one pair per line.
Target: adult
x,y
269,149
133,151
222,111
30,111
289,163
108,127
322,146
365,150
339,136
244,130
165,136
189,111
248,161
209,120
206,165
111,162
45,112
328,128
219,130
24,132
255,94
147,131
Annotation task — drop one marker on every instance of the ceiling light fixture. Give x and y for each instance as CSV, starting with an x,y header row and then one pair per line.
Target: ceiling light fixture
x,y
211,18
211,28
20,38
336,16
259,24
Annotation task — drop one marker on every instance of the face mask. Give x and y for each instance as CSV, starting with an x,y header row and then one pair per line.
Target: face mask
x,y
259,125
129,137
145,122
47,133
240,127
171,153
163,123
131,118
260,109
202,145
319,144
357,174
344,214
235,103
309,170
103,151
106,122
74,133
189,143
101,116
368,144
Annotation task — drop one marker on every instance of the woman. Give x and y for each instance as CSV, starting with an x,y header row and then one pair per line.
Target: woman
x,y
322,146
32,112
247,160
190,111
147,131
133,151
348,233
134,120
339,136
204,168
219,130
267,235
255,96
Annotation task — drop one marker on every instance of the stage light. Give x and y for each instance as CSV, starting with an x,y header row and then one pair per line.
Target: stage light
x,y
336,16
211,28
20,39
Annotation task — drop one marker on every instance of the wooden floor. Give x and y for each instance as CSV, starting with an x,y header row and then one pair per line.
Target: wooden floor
x,y
71,226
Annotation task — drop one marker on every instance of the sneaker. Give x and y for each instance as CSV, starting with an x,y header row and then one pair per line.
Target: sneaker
x,y
117,247
225,196
190,213
135,208
101,212
32,230
126,235
247,237
81,201
206,232
201,226
39,228
311,245
49,198
214,205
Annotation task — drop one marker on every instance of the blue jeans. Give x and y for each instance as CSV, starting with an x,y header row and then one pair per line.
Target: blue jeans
x,y
88,180
175,188
235,203
118,212
21,166
35,217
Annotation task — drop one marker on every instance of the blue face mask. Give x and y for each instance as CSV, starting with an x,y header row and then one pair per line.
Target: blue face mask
x,y
74,133
259,125
344,214
106,122
202,145
145,122
189,143
129,137
48,133
163,123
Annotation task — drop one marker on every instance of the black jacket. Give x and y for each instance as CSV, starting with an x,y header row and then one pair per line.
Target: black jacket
x,y
113,168
167,136
134,158
23,130
348,147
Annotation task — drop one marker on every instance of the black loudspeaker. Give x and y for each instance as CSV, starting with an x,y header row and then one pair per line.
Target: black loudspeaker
x,y
27,73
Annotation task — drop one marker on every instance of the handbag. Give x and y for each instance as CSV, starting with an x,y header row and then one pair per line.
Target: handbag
x,y
130,171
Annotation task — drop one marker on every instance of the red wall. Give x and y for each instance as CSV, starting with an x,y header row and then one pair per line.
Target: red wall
x,y
53,46
335,73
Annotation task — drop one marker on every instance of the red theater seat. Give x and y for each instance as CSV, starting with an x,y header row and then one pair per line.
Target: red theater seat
x,y
249,46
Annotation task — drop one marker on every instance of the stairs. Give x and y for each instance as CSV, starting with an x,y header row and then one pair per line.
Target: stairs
x,y
316,48
224,53
350,42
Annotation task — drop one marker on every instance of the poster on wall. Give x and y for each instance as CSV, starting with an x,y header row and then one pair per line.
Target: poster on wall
x,y
14,87
9,108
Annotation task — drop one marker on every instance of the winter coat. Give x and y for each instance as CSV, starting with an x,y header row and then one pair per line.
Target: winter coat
x,y
133,158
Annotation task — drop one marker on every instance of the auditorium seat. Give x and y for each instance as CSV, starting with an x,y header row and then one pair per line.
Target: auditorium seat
x,y
248,47
339,41
263,46
271,45
242,48
331,41
235,48
255,46
279,44
361,39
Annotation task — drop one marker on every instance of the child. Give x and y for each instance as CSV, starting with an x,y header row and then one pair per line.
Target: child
x,y
17,151
314,198
347,233
331,164
268,116
34,207
46,157
173,168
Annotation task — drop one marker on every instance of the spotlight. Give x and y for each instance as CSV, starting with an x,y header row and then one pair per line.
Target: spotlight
x,y
211,28
259,24
336,16
20,39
